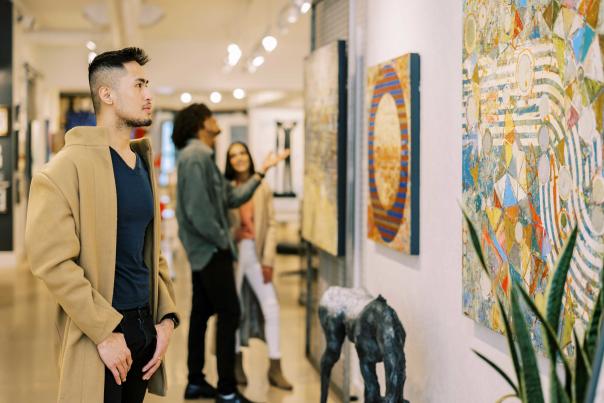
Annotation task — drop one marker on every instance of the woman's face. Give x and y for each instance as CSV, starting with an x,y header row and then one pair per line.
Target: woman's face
x,y
239,158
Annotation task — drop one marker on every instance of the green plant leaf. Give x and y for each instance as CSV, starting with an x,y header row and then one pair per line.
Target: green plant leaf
x,y
554,304
476,243
591,335
530,371
556,287
582,372
551,340
512,347
499,370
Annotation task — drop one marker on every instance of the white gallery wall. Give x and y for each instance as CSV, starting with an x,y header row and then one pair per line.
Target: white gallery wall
x,y
425,290
263,136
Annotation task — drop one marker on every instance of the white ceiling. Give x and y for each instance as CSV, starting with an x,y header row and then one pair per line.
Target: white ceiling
x,y
187,47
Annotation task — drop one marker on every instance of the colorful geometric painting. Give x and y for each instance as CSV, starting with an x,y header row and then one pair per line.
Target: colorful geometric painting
x,y
323,205
393,153
532,151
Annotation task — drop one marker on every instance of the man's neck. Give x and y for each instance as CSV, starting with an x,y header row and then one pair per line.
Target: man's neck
x,y
207,139
119,135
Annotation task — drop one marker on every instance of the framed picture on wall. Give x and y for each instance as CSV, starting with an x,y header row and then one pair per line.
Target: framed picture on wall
x,y
393,153
531,135
4,116
324,203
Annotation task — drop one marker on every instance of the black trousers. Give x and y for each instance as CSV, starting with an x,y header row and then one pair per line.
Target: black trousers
x,y
139,331
214,292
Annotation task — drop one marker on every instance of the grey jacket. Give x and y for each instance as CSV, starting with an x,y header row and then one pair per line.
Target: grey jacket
x,y
203,199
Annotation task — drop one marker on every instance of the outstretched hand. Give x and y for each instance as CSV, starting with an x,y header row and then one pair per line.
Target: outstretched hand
x,y
273,159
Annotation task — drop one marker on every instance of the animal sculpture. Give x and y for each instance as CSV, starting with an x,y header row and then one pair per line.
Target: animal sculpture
x,y
377,333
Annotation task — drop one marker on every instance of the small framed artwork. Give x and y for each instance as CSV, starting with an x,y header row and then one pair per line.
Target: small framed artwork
x,y
4,116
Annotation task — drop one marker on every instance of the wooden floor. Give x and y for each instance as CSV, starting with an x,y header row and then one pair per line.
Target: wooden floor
x,y
27,342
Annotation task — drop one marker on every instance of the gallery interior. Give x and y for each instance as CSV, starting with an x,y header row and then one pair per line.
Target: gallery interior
x,y
440,215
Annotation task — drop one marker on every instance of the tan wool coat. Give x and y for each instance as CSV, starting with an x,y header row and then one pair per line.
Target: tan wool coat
x,y
264,224
265,229
71,235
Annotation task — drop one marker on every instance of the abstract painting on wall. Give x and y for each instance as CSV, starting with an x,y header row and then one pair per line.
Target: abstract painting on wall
x,y
393,153
323,206
533,151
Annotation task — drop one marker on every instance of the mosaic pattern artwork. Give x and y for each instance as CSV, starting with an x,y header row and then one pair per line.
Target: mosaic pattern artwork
x,y
323,206
393,153
532,150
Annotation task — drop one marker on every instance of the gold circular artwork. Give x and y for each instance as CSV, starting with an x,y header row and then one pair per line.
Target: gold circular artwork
x,y
387,150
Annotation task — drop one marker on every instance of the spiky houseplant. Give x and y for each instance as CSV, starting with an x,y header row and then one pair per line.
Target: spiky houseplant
x,y
573,387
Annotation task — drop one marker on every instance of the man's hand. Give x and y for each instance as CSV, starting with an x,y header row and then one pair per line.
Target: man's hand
x,y
267,274
116,356
272,159
164,332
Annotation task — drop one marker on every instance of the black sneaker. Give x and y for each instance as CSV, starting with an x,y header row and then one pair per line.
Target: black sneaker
x,y
205,390
237,398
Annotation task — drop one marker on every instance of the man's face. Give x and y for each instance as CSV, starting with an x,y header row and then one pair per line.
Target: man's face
x,y
211,126
133,102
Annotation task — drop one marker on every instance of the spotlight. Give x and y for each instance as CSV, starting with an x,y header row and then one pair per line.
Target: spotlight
x,y
91,56
258,61
234,54
215,97
269,43
91,46
185,97
305,7
238,93
292,14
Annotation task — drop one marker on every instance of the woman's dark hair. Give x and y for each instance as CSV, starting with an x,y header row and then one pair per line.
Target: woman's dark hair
x,y
188,122
229,171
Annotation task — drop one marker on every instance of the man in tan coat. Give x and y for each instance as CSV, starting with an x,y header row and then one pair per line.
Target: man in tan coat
x,y
92,236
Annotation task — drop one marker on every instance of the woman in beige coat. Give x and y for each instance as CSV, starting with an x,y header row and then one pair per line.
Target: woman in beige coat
x,y
253,226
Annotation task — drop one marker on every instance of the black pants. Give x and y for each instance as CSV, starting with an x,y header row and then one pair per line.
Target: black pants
x,y
214,291
139,331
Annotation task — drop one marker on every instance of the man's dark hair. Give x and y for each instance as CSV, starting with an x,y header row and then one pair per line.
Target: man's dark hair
x,y
229,171
188,122
99,71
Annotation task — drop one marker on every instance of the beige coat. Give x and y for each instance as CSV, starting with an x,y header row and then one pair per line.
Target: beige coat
x,y
264,224
252,319
71,245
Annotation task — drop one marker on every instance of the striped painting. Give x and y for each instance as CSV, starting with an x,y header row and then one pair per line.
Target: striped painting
x,y
393,153
532,166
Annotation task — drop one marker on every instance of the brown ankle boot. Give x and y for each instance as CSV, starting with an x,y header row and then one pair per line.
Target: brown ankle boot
x,y
239,373
276,377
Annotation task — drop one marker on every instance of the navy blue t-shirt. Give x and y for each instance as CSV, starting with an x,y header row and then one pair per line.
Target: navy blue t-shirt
x,y
134,214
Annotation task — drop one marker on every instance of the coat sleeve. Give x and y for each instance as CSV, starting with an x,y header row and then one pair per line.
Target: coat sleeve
x,y
270,244
166,296
53,247
237,195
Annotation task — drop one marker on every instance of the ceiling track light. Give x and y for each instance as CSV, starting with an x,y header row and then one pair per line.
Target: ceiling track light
x,y
238,93
305,7
215,97
185,97
269,43
258,61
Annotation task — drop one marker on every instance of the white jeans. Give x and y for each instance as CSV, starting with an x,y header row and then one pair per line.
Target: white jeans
x,y
252,270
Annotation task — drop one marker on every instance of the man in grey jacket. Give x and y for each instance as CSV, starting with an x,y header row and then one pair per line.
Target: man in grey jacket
x,y
204,197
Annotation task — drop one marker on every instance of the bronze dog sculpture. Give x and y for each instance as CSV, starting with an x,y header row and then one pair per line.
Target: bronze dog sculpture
x,y
378,335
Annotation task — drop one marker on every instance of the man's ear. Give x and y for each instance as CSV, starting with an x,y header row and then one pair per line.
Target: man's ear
x,y
105,95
